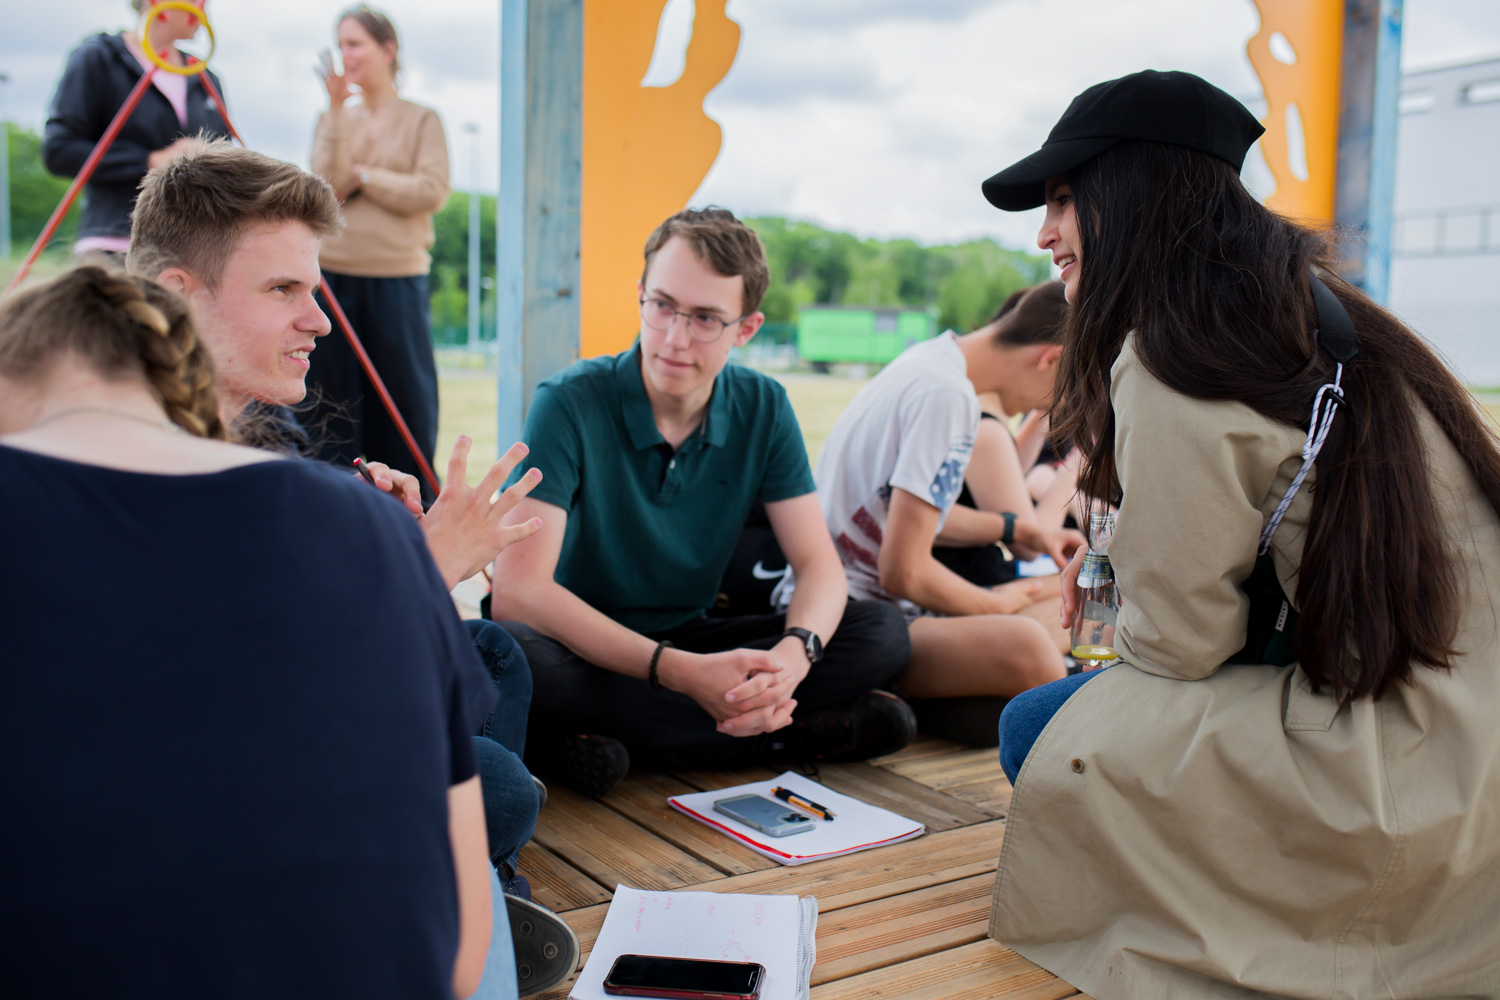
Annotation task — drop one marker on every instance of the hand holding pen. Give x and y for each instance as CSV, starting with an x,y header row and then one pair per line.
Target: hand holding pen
x,y
792,798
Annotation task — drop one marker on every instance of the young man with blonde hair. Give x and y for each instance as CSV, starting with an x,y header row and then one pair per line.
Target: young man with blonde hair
x,y
653,458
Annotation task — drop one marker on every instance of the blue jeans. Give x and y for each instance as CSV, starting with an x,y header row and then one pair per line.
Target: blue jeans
x,y
510,799
1028,713
499,979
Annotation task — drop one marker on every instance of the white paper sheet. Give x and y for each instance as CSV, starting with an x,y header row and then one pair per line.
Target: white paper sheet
x,y
776,931
856,825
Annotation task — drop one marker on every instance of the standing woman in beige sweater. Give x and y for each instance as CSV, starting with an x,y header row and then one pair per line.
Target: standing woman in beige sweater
x,y
388,160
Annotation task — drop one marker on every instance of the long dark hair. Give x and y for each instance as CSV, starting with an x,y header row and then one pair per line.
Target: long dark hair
x,y
1217,290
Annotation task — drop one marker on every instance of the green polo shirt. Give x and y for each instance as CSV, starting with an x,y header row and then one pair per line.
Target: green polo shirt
x,y
650,530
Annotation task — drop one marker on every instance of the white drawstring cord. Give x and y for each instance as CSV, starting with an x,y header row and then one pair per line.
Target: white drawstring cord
x,y
1324,404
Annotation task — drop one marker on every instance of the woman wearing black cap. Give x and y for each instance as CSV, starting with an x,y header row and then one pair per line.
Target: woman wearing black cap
x,y
1290,783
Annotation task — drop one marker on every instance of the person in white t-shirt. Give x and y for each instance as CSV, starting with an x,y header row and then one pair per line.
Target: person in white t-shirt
x,y
887,481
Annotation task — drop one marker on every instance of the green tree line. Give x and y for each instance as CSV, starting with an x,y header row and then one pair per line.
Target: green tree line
x,y
809,265
34,193
815,266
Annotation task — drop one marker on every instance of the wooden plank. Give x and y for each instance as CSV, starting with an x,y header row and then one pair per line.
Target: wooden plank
x,y
887,931
885,871
880,787
991,796
642,797
611,849
556,884
708,781
975,776
979,971
922,746
944,873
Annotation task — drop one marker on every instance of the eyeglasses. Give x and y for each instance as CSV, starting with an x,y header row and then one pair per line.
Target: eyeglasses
x,y
705,327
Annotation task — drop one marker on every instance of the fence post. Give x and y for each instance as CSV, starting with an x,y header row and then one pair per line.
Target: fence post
x,y
541,148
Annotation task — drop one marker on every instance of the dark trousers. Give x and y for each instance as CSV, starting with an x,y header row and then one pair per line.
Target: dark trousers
x,y
665,729
343,414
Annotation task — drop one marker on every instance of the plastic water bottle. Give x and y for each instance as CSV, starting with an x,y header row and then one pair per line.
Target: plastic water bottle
x,y
1094,630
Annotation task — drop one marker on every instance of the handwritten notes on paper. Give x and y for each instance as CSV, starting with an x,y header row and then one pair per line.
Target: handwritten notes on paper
x,y
775,931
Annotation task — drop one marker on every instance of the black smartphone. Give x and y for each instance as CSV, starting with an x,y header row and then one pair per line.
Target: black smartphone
x,y
683,978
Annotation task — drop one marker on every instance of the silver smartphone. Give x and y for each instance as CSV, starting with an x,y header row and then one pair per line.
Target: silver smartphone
x,y
774,819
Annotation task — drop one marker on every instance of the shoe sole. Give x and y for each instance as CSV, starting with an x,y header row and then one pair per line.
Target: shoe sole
x,y
546,948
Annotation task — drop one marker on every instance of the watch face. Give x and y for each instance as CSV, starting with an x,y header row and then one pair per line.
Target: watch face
x,y
814,648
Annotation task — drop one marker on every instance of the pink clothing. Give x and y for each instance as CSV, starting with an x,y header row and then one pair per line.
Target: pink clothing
x,y
111,244
173,86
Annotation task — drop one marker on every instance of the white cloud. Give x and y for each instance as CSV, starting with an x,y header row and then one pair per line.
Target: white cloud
x,y
876,116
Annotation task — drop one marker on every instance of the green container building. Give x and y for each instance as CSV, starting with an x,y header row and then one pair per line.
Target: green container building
x,y
860,333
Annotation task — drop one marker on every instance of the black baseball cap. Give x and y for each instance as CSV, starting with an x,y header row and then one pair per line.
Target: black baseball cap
x,y
1178,109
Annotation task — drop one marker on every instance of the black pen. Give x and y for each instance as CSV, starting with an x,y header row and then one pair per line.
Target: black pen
x,y
787,795
363,470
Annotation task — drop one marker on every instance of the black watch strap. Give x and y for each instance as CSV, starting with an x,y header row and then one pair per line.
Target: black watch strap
x,y
810,643
655,659
1008,536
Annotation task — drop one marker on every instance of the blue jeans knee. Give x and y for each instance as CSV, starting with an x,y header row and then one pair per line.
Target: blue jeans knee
x,y
511,673
1027,714
511,805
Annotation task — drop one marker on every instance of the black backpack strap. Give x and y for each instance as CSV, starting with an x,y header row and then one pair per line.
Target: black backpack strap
x,y
1336,334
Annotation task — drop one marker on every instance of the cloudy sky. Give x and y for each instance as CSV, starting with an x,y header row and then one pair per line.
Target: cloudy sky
x,y
875,116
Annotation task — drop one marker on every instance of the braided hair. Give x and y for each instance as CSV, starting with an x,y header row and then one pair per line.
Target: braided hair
x,y
120,324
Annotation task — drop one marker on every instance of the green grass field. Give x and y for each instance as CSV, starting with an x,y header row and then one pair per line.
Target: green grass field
x,y
468,407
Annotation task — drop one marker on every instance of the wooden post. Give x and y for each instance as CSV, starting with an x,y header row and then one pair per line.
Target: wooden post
x,y
1369,91
541,149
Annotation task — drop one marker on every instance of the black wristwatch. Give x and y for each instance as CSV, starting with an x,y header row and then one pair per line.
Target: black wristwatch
x,y
1008,535
810,643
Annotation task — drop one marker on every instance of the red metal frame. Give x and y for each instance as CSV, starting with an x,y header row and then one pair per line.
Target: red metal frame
x,y
84,174
423,466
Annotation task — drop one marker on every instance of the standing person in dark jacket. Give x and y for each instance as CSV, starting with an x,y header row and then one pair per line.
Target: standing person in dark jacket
x,y
169,119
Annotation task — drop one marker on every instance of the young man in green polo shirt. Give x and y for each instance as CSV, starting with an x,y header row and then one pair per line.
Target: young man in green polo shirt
x,y
652,459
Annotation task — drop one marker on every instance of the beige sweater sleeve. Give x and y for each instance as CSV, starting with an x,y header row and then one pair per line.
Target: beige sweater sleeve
x,y
1194,474
425,189
330,155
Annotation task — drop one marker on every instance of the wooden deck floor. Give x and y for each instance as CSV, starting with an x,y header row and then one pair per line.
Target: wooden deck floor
x,y
905,921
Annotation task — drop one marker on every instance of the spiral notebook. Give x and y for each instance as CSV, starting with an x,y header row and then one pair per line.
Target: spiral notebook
x,y
779,932
856,826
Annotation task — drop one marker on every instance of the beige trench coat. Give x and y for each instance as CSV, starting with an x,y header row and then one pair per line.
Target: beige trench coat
x,y
1186,829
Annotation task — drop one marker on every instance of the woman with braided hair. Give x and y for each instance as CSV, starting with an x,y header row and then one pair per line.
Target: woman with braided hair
x,y
209,790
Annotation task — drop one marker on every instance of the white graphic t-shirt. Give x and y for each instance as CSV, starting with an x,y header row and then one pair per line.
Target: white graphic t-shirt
x,y
911,428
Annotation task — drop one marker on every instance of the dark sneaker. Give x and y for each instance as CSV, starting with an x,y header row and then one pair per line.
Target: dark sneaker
x,y
589,764
512,882
546,947
975,721
874,724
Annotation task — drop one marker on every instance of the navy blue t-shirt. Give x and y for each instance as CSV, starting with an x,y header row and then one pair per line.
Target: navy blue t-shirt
x,y
231,706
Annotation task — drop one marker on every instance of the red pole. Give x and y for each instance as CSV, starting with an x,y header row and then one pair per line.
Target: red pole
x,y
89,165
423,466
385,397
213,92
